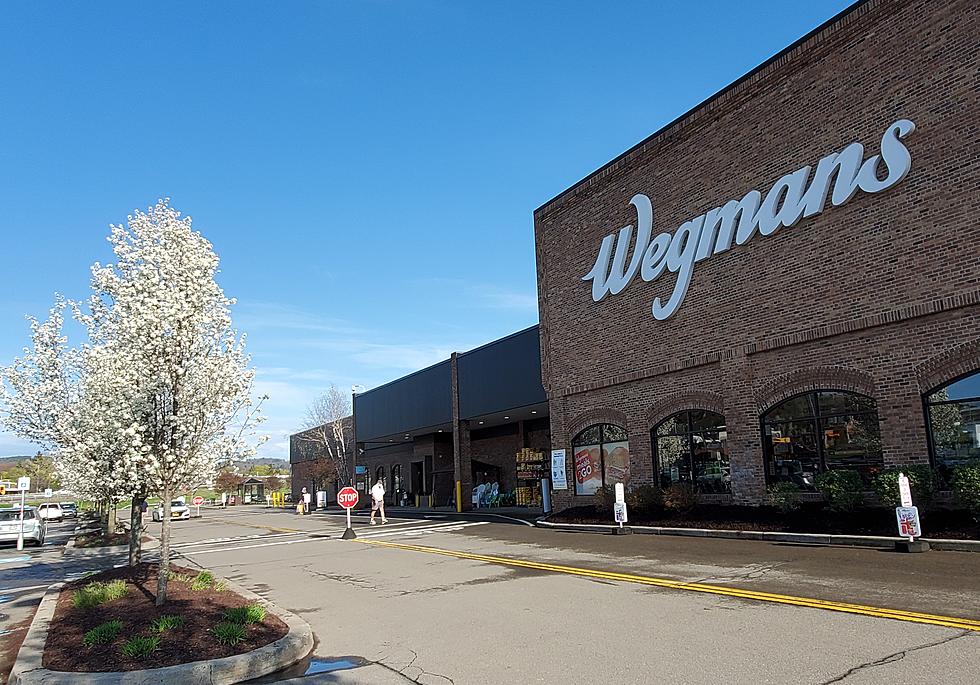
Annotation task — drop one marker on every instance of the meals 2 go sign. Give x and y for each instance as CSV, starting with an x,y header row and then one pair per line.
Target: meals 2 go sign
x,y
793,197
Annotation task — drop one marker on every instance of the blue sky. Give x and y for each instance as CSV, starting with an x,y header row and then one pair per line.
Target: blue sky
x,y
367,171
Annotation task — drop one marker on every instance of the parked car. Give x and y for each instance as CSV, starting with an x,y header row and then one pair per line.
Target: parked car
x,y
178,510
34,526
69,509
50,511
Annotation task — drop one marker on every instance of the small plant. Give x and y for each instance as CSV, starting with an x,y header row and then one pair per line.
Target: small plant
x,y
97,593
253,613
922,483
843,489
648,499
220,586
177,577
966,486
140,647
168,622
784,496
228,633
203,581
102,634
680,498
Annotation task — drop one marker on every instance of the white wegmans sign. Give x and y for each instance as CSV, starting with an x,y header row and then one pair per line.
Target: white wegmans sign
x,y
789,200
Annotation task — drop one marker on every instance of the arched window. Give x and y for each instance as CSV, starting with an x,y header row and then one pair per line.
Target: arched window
x,y
380,476
816,431
602,457
690,448
954,421
396,479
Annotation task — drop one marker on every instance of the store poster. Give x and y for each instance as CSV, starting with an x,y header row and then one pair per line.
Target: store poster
x,y
617,460
588,469
558,479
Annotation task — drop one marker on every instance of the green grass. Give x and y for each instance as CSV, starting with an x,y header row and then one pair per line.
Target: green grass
x,y
140,647
175,577
96,593
253,613
203,581
168,622
229,633
102,634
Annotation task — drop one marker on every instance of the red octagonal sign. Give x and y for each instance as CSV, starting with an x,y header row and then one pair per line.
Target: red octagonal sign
x,y
347,497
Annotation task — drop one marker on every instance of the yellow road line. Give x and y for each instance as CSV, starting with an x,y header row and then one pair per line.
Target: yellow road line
x,y
860,609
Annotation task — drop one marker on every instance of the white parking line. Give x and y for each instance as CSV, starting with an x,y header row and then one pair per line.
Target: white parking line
x,y
237,538
441,528
234,549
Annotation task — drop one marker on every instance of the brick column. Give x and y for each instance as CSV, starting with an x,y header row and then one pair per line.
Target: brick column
x,y
742,424
462,465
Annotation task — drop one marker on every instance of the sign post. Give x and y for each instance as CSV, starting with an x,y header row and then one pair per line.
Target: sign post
x,y
908,519
23,484
198,501
619,511
347,498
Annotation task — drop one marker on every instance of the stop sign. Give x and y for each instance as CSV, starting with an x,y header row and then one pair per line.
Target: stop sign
x,y
347,497
198,501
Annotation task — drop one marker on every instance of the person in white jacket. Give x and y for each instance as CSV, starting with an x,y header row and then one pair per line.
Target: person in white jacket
x,y
378,501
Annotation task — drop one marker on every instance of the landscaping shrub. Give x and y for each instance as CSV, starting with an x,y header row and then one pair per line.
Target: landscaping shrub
x,y
680,498
784,496
966,486
168,622
922,482
228,633
102,634
843,489
605,497
140,647
253,613
97,593
176,577
645,499
203,581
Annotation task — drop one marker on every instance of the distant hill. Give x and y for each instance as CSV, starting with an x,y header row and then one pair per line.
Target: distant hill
x,y
262,461
10,462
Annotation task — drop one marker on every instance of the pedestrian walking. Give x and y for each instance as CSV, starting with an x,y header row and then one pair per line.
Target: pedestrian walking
x,y
307,499
378,501
224,500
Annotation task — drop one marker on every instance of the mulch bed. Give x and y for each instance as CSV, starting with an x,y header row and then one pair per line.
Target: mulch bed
x,y
193,641
939,523
96,539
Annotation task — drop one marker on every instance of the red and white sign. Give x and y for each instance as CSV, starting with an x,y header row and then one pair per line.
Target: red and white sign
x,y
347,497
198,501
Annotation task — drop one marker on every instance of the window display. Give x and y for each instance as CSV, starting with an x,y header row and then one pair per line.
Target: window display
x,y
601,457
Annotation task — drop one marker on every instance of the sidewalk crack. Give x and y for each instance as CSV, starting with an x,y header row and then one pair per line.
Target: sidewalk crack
x,y
897,656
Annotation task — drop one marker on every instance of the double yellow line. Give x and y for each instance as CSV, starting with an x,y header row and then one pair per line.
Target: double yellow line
x,y
860,609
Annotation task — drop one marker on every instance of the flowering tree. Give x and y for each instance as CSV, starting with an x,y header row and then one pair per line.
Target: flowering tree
x,y
168,319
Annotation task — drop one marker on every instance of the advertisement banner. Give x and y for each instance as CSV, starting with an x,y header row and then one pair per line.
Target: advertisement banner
x,y
588,470
617,458
558,479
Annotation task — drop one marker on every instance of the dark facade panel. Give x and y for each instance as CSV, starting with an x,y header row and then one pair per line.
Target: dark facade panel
x,y
501,375
419,400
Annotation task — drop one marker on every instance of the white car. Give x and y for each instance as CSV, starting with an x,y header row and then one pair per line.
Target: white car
x,y
178,511
34,527
50,512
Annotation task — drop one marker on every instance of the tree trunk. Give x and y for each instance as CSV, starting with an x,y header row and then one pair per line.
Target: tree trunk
x,y
113,521
104,518
136,529
164,550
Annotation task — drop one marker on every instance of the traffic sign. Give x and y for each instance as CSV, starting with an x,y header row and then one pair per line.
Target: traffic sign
x,y
48,492
24,483
908,522
198,501
347,497
619,511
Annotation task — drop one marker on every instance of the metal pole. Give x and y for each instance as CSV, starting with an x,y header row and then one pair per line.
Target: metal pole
x,y
20,535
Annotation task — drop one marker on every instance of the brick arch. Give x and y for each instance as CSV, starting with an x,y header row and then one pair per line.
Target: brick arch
x,y
953,363
679,401
786,385
594,416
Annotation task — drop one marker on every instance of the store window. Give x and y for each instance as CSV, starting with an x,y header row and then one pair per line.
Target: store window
x,y
379,476
396,481
690,447
821,430
602,457
953,413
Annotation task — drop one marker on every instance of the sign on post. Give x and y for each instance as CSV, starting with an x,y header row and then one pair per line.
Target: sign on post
x,y
197,502
619,512
48,492
908,522
559,479
23,484
347,498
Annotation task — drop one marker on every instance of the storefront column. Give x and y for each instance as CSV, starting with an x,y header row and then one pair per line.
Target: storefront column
x,y
462,463
744,434
901,416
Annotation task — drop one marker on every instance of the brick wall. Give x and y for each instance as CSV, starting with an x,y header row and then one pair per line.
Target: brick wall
x,y
879,295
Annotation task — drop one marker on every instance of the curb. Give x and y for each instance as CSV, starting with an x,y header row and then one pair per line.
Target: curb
x,y
282,653
797,538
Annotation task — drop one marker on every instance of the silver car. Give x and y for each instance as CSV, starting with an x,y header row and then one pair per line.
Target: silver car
x,y
34,526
